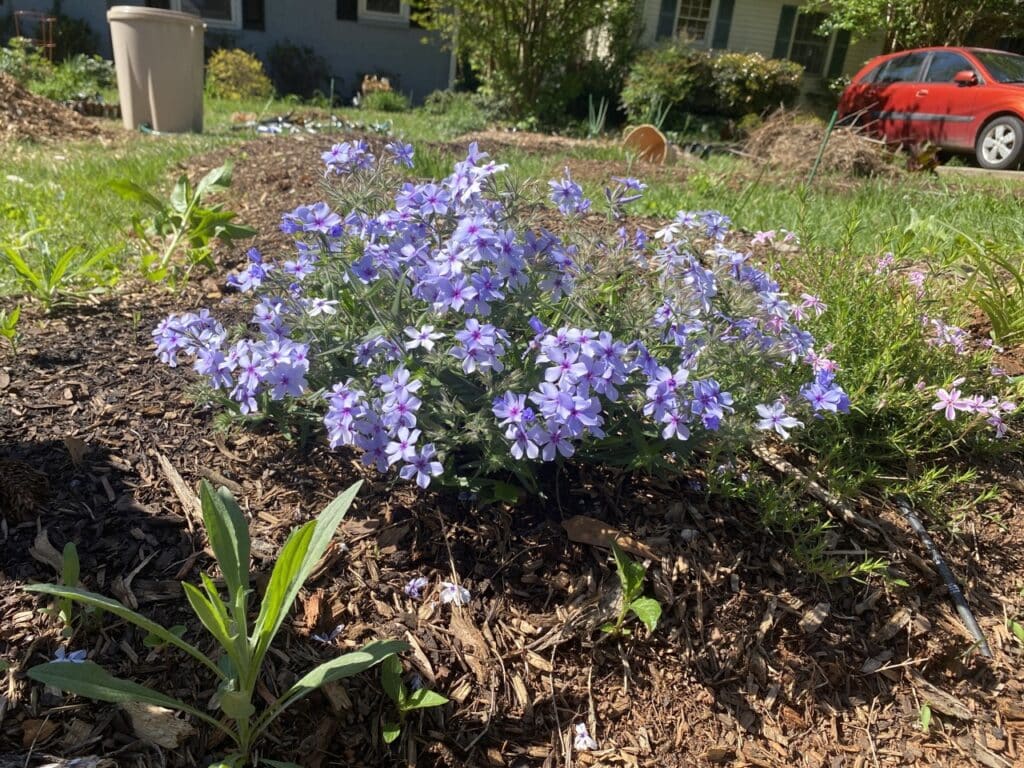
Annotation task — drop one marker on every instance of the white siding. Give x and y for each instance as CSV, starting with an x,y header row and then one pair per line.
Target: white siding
x,y
755,24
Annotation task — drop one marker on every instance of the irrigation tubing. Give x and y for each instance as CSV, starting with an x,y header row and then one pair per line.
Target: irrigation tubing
x,y
947,575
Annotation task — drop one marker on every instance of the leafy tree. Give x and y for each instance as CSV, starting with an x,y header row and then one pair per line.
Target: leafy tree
x,y
915,23
526,50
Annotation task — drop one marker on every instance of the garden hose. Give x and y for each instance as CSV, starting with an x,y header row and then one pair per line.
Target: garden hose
x,y
947,575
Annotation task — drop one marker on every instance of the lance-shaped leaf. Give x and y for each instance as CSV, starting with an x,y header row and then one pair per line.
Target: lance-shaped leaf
x,y
93,681
346,665
228,532
114,607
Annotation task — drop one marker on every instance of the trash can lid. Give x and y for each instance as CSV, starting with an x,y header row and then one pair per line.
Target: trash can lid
x,y
137,13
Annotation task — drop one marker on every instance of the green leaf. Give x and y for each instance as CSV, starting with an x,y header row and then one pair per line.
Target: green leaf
x,y
180,195
608,628
423,698
218,178
287,579
60,268
152,641
1018,631
114,607
132,192
70,567
343,666
391,679
228,532
648,610
236,705
926,717
28,275
631,575
279,763
210,617
93,681
390,731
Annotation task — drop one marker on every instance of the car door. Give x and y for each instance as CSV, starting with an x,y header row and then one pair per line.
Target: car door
x,y
897,84
943,112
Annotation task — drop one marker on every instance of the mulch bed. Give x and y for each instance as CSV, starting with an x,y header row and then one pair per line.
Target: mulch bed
x,y
754,664
27,117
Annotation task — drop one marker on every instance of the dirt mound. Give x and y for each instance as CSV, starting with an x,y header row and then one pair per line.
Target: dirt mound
x,y
27,117
790,141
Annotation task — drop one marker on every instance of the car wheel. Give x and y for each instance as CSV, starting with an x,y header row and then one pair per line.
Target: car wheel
x,y
1000,143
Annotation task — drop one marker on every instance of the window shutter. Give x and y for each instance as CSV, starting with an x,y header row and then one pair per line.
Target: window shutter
x,y
838,61
348,10
666,19
721,37
787,19
252,15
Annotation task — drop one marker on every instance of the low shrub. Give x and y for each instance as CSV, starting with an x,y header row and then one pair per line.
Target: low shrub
x,y
449,335
386,101
236,75
687,80
297,69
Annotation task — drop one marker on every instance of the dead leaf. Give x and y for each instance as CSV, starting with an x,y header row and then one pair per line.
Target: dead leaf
x,y
77,448
157,725
939,699
589,530
36,731
812,619
43,551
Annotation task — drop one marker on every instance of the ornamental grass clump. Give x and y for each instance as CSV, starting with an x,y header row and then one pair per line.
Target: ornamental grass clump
x,y
446,333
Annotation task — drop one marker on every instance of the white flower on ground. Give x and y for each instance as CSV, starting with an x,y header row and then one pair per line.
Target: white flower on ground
x,y
453,593
583,742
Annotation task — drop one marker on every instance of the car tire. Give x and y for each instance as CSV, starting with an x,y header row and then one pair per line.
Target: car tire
x,y
1000,143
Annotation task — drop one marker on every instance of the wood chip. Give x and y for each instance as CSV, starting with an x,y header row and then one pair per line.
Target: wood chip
x,y
939,699
157,725
589,530
812,619
189,501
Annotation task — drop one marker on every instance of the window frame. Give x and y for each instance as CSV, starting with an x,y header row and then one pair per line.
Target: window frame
x,y
708,22
382,17
909,55
235,23
828,45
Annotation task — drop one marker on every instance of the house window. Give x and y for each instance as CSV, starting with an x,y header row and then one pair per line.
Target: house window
x,y
694,20
226,14
384,10
808,47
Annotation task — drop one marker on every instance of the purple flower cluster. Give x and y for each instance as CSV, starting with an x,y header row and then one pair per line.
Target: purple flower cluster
x,y
992,409
415,320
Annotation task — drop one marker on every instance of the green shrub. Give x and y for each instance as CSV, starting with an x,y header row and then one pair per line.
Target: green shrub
x,y
297,69
78,76
688,80
236,75
386,101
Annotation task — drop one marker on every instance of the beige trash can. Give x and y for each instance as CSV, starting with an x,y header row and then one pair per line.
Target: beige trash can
x,y
158,56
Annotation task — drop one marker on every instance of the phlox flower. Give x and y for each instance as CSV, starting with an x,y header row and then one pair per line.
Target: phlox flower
x,y
422,466
568,195
773,417
402,154
74,657
414,588
404,447
582,740
950,402
454,593
422,338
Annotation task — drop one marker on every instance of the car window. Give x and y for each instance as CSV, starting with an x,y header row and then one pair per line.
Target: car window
x,y
901,69
1004,67
872,76
945,65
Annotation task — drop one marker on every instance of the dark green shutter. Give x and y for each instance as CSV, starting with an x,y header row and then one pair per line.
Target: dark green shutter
x,y
720,39
253,15
666,19
838,61
787,19
347,10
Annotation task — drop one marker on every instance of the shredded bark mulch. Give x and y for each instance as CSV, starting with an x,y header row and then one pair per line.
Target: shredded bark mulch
x,y
755,663
27,117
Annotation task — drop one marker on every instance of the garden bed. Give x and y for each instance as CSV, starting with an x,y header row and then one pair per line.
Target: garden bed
x,y
754,663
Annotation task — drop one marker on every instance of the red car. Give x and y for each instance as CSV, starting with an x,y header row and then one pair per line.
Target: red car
x,y
964,100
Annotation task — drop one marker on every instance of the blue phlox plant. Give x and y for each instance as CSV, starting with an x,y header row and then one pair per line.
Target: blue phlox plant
x,y
446,333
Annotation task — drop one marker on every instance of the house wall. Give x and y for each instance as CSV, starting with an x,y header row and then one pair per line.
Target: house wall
x,y
350,48
755,24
